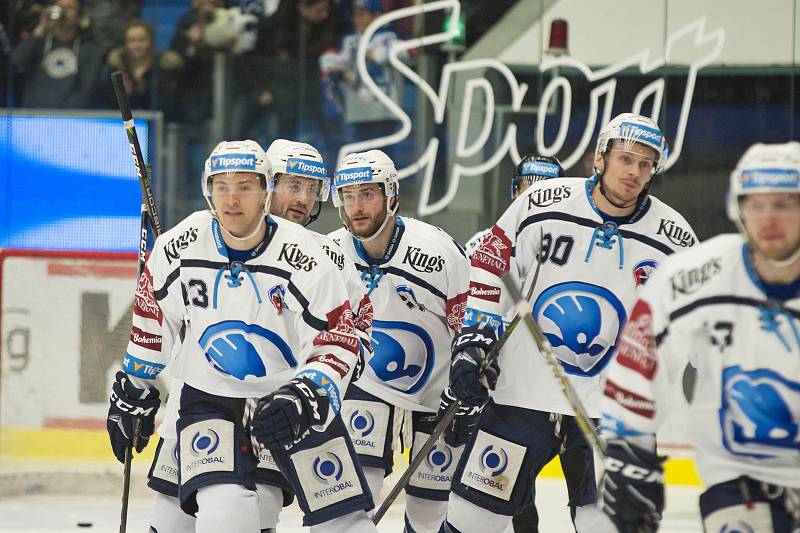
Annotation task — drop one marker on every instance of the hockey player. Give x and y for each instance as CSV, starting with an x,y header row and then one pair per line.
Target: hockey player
x,y
732,307
267,316
531,169
417,279
594,239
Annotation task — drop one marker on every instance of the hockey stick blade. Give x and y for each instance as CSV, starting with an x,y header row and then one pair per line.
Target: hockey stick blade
x,y
585,423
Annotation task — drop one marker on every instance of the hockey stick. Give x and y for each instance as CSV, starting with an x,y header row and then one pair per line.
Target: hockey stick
x,y
149,215
136,151
438,430
584,422
448,415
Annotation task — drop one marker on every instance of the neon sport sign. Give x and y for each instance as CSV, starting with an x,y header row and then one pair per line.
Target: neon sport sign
x,y
708,45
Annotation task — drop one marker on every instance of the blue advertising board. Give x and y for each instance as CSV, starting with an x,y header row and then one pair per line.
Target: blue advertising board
x,y
68,183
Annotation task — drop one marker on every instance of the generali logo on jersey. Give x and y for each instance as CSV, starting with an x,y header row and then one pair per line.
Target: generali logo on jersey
x,y
637,347
294,256
484,292
422,262
494,252
676,234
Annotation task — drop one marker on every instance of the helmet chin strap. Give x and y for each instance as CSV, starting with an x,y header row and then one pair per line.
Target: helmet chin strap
x,y
389,214
314,215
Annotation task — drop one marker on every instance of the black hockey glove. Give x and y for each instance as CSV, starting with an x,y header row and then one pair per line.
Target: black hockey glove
x,y
285,416
632,487
470,348
465,421
129,402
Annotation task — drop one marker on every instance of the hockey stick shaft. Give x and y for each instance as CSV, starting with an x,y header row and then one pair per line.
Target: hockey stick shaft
x,y
136,151
438,430
149,216
585,423
448,415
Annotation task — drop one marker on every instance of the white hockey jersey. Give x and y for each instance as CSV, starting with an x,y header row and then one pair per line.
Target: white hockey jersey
x,y
251,326
472,244
362,319
586,285
709,307
418,293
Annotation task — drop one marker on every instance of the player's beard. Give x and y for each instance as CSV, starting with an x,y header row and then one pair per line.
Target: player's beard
x,y
291,211
777,253
374,225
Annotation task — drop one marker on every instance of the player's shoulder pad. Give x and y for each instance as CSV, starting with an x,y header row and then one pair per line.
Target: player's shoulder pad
x,y
182,235
298,247
664,223
691,274
330,247
340,237
428,236
548,194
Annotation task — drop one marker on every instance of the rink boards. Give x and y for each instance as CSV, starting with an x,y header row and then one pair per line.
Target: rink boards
x,y
65,321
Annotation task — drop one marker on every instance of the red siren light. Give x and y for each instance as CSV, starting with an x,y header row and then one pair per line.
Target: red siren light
x,y
558,43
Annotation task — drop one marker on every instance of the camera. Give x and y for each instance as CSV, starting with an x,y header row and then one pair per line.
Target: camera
x,y
56,13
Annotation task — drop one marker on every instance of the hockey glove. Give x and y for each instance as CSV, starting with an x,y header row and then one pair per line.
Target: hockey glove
x,y
285,416
632,487
465,421
129,402
470,348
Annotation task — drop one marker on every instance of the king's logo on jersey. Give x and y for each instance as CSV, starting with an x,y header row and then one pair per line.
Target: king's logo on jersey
x,y
238,349
756,413
404,355
582,321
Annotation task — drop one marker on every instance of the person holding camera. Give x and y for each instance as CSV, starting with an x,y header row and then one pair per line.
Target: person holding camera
x,y
58,65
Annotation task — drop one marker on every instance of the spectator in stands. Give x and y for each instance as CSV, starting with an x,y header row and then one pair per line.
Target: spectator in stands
x,y
5,50
109,18
196,79
252,108
345,95
298,43
58,65
150,77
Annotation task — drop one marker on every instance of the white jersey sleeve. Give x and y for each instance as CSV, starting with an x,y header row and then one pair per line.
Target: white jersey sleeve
x,y
356,292
157,314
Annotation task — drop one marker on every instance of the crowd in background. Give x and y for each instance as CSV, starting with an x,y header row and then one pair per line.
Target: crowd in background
x,y
289,62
